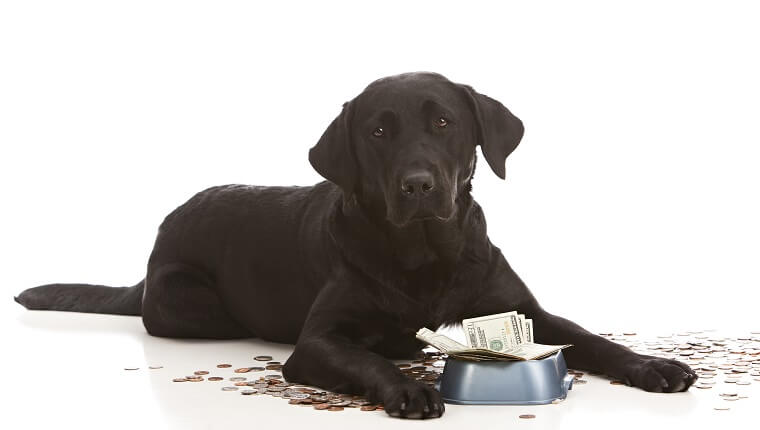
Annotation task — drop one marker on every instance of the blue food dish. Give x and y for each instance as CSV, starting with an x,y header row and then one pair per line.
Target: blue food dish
x,y
530,382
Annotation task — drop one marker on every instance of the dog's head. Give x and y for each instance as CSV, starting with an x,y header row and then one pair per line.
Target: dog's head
x,y
407,144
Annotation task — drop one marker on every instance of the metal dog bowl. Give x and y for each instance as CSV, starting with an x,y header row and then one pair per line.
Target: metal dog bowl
x,y
531,382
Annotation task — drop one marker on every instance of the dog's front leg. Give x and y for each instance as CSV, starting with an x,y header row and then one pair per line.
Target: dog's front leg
x,y
505,291
333,352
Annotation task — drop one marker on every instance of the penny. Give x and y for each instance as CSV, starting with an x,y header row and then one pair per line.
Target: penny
x,y
201,372
334,408
241,384
214,378
368,408
274,367
322,406
263,358
243,370
273,376
223,365
294,402
179,379
617,382
229,388
274,362
527,416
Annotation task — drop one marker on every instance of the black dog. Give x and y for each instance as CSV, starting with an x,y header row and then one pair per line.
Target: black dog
x,y
349,269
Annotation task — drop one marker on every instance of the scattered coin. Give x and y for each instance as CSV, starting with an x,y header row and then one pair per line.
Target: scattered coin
x,y
155,367
263,358
237,379
201,372
368,408
179,380
214,378
322,406
335,408
229,388
223,365
527,416
616,382
131,368
248,392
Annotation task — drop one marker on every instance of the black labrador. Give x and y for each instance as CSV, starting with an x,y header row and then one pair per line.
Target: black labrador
x,y
349,269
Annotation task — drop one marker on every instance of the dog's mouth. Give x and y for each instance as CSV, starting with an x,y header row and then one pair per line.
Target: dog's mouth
x,y
405,216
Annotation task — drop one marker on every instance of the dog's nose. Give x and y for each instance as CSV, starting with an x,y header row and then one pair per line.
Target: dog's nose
x,y
417,184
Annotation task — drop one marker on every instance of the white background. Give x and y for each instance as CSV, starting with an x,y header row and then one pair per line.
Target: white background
x,y
631,204
632,201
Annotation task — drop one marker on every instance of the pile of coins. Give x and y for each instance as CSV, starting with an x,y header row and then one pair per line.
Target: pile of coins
x,y
426,368
723,364
728,363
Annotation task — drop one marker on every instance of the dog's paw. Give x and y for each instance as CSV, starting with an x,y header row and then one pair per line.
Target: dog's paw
x,y
660,375
412,400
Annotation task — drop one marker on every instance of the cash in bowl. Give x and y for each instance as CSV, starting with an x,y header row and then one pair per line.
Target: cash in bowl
x,y
523,382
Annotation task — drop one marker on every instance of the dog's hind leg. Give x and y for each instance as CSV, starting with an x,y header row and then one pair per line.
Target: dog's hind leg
x,y
180,301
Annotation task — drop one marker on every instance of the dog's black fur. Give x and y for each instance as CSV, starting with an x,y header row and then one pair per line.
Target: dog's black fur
x,y
349,269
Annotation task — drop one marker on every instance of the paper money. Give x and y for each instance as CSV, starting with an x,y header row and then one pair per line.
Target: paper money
x,y
440,342
497,332
529,330
504,336
526,351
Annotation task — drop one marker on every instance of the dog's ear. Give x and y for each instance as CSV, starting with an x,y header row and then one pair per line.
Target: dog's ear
x,y
499,131
333,157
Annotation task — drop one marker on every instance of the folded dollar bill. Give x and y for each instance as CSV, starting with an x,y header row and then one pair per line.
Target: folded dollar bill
x,y
505,336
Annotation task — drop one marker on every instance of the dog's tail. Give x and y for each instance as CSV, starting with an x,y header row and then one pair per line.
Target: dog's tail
x,y
98,299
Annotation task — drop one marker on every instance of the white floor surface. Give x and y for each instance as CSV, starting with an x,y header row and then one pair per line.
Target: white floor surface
x,y
65,370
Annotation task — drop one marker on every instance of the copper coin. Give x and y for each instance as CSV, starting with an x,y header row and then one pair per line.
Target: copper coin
x,y
196,379
274,367
322,406
243,370
527,416
274,362
617,382
223,365
215,378
241,384
179,379
334,408
263,358
201,372
368,408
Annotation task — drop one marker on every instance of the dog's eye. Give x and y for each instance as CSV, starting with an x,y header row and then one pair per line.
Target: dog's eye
x,y
378,132
441,122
